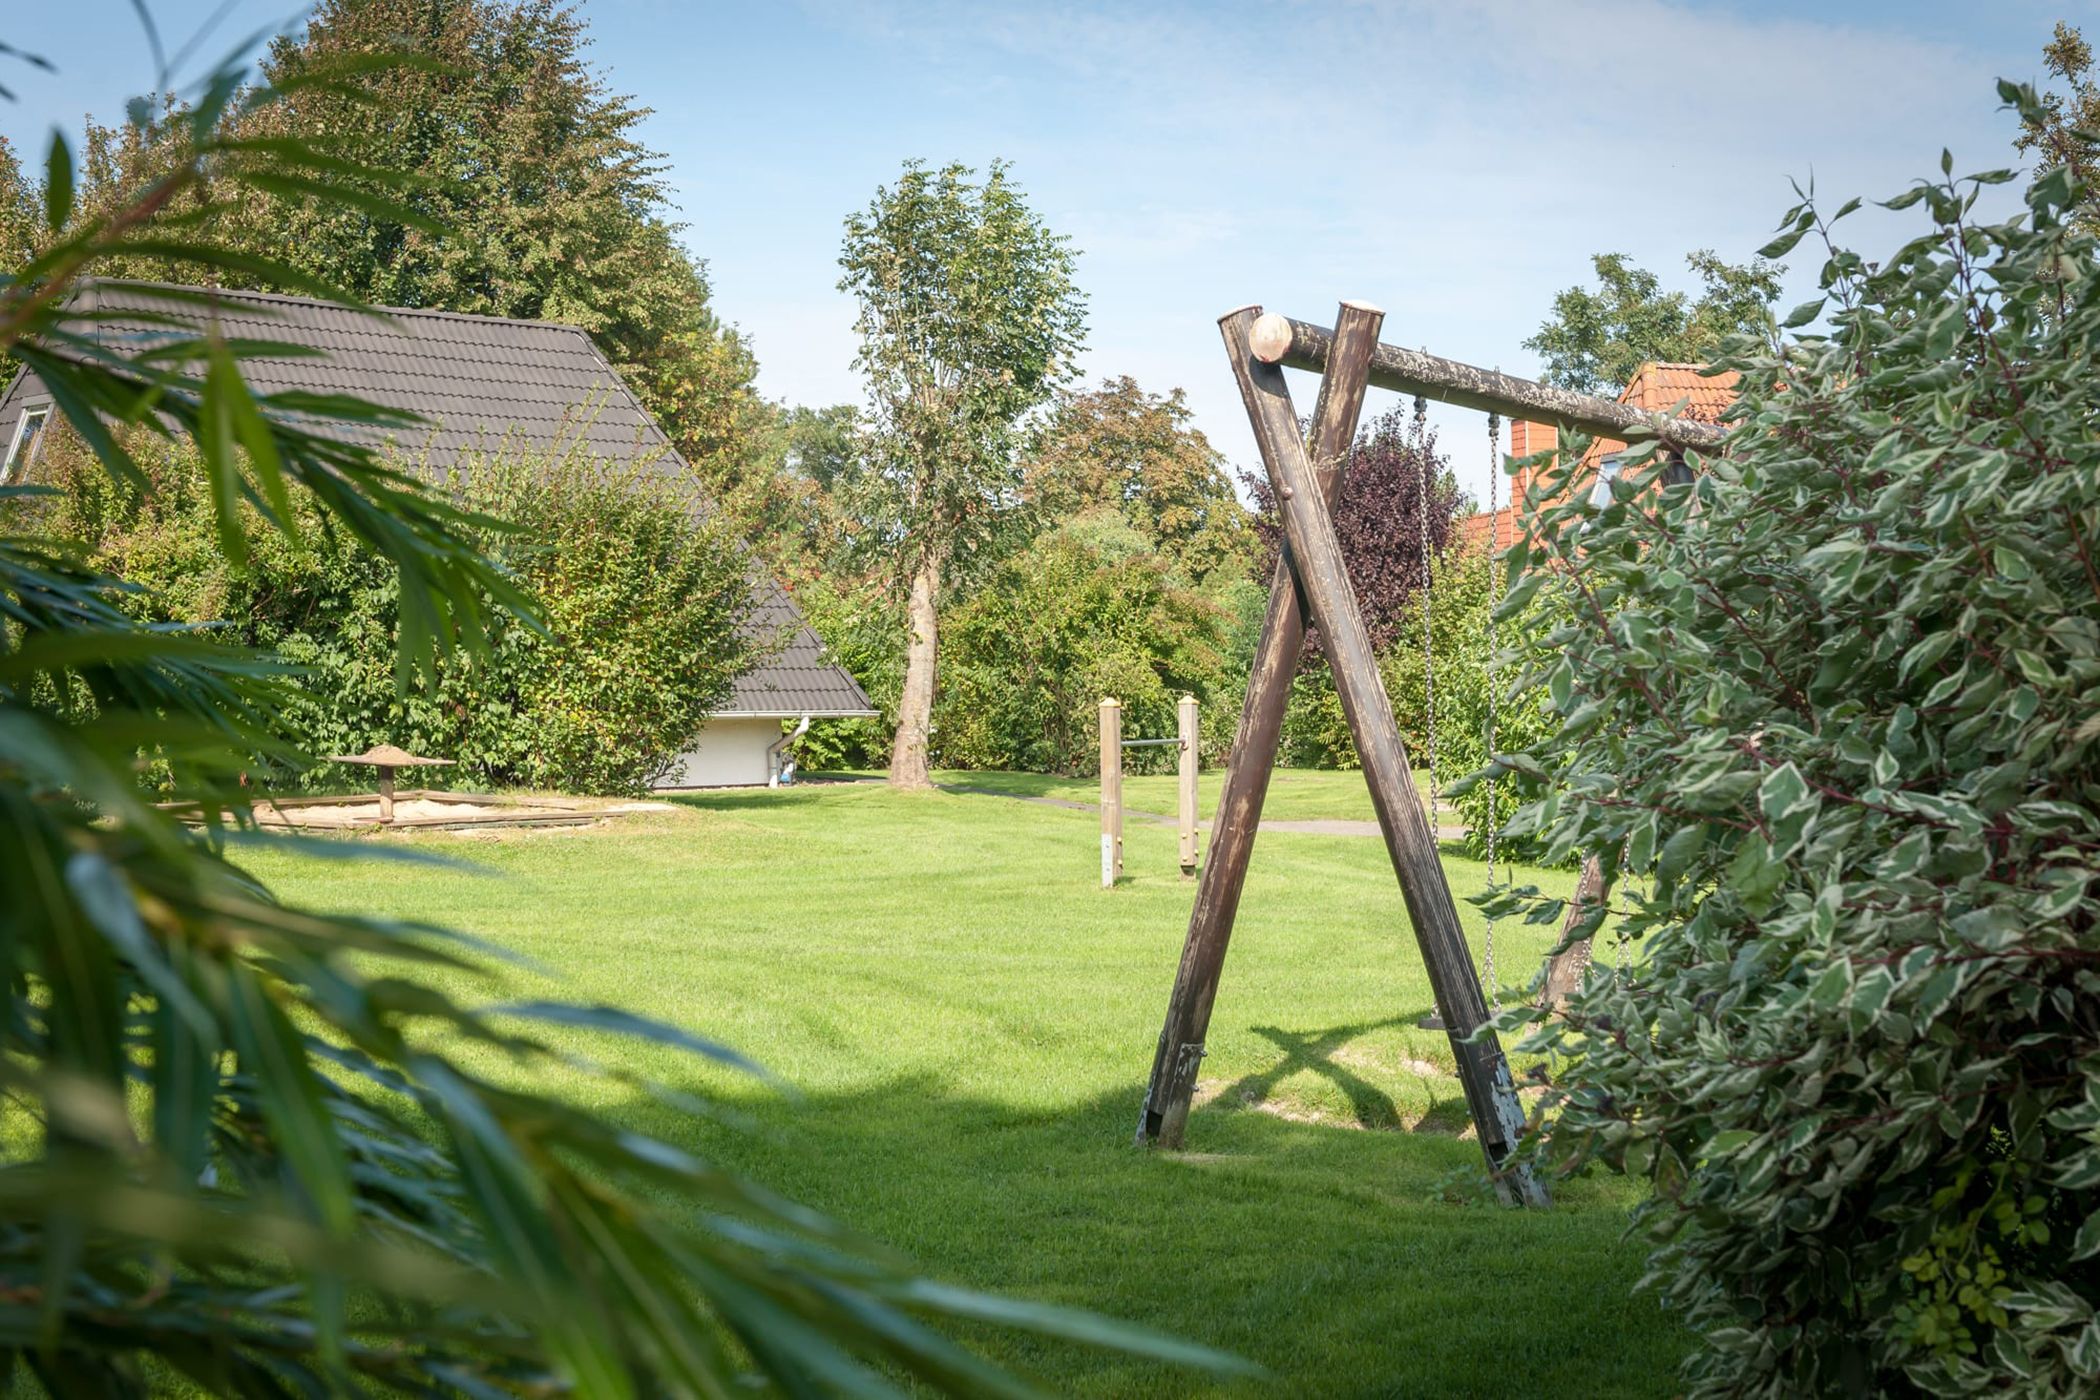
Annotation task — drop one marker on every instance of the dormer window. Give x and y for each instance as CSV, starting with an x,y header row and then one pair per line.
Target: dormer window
x,y
29,435
1607,473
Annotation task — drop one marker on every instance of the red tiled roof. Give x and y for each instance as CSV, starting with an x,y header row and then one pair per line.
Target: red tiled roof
x,y
1682,390
1476,530
1662,388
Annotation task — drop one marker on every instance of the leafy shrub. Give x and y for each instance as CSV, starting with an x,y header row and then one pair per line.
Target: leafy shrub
x,y
1460,597
642,603
862,627
1316,733
1030,655
1826,715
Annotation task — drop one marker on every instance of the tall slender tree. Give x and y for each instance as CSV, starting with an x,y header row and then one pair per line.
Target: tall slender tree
x,y
969,321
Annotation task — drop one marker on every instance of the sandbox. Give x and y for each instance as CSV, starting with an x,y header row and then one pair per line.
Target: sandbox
x,y
424,810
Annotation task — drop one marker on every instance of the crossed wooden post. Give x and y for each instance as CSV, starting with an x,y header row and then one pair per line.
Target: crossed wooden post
x,y
1310,583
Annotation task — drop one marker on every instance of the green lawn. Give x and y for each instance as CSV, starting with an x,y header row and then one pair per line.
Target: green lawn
x,y
1295,794
969,1020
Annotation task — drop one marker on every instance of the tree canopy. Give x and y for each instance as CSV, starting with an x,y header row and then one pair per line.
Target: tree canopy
x,y
1596,340
969,320
1379,520
531,197
1121,449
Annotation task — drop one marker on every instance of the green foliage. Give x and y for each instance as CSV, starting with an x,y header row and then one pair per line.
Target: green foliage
x,y
1060,626
862,627
2062,129
1826,715
1461,632
801,506
1316,735
969,320
636,642
256,1150
1595,340
1122,450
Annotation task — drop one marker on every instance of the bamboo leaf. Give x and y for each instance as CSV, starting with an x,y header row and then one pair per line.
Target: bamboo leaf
x,y
58,183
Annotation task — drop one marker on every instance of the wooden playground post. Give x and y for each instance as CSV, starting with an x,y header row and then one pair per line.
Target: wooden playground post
x,y
1185,809
1180,1051
1564,969
1348,358
1111,792
1316,563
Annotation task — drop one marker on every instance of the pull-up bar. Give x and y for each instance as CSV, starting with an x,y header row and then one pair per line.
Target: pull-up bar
x,y
1112,745
1280,340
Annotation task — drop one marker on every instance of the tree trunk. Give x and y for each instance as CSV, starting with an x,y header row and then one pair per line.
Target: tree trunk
x,y
915,706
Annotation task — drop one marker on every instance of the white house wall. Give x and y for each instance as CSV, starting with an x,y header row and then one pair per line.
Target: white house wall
x,y
728,753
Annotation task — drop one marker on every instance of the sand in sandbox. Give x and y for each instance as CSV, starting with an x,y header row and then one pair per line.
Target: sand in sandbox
x,y
367,813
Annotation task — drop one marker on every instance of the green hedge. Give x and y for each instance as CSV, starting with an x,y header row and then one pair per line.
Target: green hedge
x,y
1827,717
1027,658
642,602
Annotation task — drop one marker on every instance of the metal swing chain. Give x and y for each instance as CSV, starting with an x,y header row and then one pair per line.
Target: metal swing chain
x,y
1494,604
1421,433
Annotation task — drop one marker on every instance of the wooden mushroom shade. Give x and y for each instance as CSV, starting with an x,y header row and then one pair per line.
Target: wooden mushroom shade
x,y
386,758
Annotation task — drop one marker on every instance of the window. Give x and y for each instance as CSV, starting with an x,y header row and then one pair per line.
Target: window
x,y
1607,473
29,435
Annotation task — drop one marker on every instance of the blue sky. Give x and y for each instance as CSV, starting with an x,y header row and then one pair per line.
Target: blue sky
x,y
1457,164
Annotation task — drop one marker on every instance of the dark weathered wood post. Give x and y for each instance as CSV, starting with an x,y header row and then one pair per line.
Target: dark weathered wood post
x,y
1316,562
1185,729
386,792
1291,344
1180,1052
1564,969
1111,792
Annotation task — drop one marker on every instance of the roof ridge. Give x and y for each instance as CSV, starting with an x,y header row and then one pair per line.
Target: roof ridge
x,y
1697,366
250,294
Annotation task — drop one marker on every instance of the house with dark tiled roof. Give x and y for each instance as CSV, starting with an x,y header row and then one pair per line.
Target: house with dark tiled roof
x,y
1682,391
479,381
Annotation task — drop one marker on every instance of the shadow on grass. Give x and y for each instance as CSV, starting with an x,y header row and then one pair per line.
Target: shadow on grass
x,y
1320,1052
1328,1255
1315,1051
747,799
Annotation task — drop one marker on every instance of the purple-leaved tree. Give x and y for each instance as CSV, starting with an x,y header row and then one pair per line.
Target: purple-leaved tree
x,y
1378,520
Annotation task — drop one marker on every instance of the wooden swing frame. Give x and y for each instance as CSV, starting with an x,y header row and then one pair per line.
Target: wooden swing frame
x,y
1311,584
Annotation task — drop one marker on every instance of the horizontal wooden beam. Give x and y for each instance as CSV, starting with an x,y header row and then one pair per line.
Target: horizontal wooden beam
x,y
1302,345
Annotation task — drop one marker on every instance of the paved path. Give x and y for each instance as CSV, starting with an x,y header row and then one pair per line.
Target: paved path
x,y
1322,827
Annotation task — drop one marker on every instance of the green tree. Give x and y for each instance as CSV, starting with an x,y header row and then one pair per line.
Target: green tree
x,y
2064,129
1078,614
251,1149
1122,449
22,226
804,503
534,199
969,320
1826,719
1595,340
